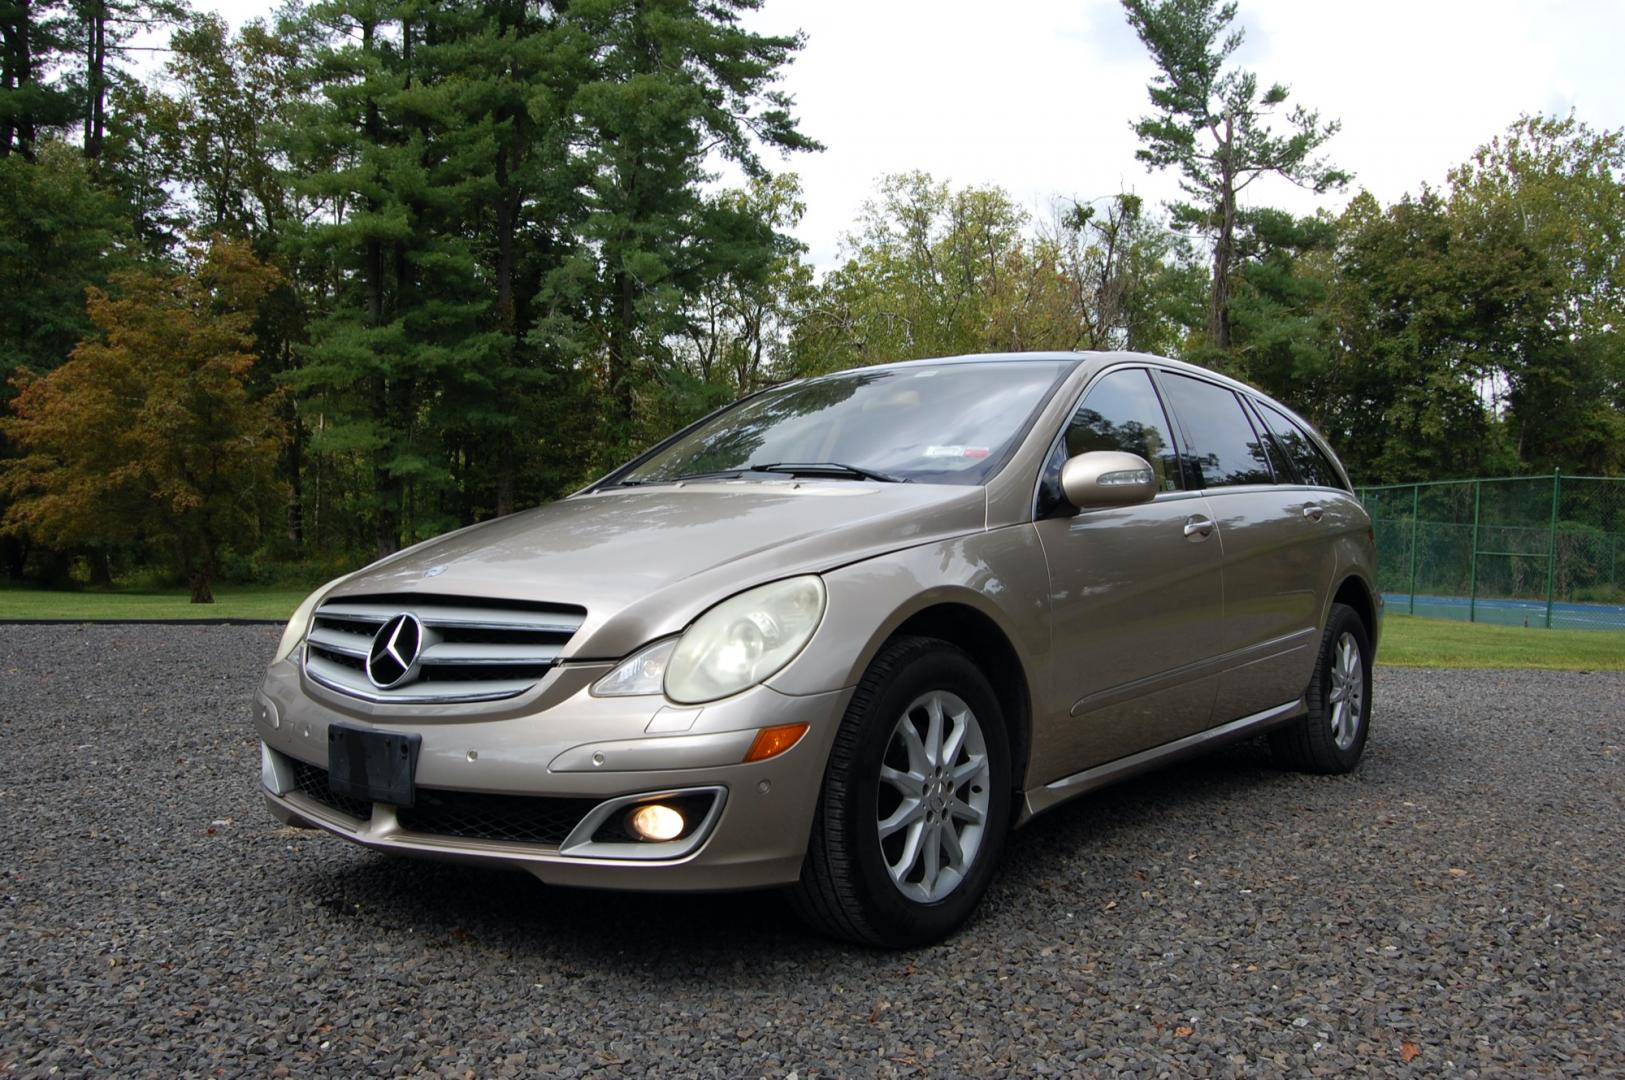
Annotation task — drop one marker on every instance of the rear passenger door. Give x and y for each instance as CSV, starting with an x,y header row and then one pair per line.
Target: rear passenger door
x,y
1276,564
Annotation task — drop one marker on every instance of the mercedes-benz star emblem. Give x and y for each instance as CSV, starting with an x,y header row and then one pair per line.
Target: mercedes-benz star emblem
x,y
393,657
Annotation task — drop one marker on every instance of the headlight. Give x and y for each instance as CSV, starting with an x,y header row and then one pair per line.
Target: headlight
x,y
641,673
744,640
295,632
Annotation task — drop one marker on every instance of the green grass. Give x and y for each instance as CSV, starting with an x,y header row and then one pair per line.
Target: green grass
x,y
1408,641
245,602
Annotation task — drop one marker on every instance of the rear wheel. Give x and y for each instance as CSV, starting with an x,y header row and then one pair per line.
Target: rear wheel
x,y
1331,737
915,804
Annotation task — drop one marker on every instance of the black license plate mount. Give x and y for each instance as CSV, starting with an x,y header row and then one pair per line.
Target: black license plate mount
x,y
373,766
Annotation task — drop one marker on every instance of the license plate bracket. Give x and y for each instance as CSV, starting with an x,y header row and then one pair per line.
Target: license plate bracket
x,y
373,766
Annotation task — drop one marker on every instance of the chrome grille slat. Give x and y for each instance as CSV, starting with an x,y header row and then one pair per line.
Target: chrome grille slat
x,y
338,641
471,650
431,613
459,652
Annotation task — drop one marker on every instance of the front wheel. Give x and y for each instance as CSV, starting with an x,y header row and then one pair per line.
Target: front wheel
x,y
1331,737
915,804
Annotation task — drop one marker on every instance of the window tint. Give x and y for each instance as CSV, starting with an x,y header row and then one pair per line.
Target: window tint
x,y
1313,464
1122,412
1222,446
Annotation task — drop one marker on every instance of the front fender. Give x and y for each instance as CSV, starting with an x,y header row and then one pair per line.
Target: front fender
x,y
1001,574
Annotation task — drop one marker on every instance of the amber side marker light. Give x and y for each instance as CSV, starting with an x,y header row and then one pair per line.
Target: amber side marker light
x,y
773,741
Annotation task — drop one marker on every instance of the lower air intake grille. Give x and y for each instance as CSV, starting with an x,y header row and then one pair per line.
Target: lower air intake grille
x,y
516,819
311,782
413,649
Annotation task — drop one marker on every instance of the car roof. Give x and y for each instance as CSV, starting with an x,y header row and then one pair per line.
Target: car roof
x,y
1075,358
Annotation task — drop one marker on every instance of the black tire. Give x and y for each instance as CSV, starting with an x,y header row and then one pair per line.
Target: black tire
x,y
1311,744
845,889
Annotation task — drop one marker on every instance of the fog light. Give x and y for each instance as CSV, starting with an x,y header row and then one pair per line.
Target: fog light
x,y
655,822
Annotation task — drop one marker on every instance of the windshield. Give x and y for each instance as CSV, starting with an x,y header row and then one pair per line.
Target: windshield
x,y
937,424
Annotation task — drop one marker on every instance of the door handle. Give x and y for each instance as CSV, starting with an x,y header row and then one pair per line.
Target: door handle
x,y
1313,513
1198,527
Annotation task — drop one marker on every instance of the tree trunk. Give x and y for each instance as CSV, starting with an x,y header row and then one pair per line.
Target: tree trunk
x,y
13,75
1225,246
293,460
13,557
507,314
387,519
96,81
620,347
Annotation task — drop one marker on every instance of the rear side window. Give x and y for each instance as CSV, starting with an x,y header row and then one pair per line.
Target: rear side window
x,y
1313,464
1122,412
1221,447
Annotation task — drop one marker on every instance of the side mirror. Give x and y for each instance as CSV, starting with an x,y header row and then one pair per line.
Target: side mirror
x,y
1107,478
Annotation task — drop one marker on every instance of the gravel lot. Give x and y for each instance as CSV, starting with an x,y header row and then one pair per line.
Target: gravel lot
x,y
1456,904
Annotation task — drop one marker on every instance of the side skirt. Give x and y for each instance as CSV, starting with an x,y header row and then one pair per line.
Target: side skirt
x,y
1056,792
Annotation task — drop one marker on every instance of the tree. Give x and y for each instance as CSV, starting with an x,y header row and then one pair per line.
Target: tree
x,y
675,84
149,433
1410,400
232,93
33,100
59,233
1212,123
1540,213
1122,269
734,331
933,271
1284,327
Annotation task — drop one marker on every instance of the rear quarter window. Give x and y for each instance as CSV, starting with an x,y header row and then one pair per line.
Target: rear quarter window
x,y
1311,461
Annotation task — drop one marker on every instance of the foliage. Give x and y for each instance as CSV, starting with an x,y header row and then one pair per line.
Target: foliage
x,y
59,234
148,432
1212,123
504,260
933,271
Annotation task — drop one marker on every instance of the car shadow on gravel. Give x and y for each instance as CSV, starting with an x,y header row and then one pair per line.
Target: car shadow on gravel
x,y
664,935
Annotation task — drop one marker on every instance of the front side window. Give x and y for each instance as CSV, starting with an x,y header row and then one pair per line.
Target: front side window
x,y
1223,449
1122,412
939,423
1312,463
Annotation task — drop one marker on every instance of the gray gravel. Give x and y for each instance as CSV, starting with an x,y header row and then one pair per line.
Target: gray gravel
x,y
1458,901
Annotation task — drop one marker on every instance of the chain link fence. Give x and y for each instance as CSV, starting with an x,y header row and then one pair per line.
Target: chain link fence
x,y
1545,551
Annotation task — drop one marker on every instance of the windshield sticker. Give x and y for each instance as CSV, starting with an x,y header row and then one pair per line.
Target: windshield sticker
x,y
956,451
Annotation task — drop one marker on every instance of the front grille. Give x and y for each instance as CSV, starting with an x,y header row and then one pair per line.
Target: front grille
x,y
517,819
311,782
471,649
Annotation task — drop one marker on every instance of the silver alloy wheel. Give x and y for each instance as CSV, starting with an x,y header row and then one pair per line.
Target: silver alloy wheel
x,y
934,792
1347,696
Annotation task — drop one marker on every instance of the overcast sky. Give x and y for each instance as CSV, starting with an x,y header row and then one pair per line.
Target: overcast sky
x,y
1036,96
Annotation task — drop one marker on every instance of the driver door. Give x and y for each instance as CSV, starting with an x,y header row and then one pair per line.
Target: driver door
x,y
1136,597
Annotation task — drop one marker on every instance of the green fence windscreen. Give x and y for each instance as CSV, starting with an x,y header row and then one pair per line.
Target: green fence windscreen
x,y
1528,551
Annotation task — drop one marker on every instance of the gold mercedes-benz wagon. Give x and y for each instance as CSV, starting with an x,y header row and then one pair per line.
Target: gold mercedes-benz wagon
x,y
841,636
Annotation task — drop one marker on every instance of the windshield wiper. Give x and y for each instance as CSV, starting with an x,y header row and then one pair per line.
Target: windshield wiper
x,y
826,468
784,468
718,474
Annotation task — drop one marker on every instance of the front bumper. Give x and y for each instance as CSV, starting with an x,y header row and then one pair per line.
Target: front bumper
x,y
562,745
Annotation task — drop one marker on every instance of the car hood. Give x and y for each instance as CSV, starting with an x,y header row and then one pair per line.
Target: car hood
x,y
645,561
